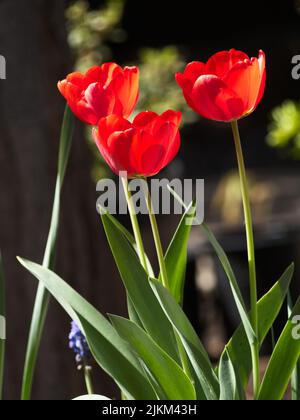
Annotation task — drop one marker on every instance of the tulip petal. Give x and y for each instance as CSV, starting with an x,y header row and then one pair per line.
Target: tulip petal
x,y
151,152
108,72
192,71
125,85
220,63
215,100
119,148
172,116
244,80
247,80
262,69
101,100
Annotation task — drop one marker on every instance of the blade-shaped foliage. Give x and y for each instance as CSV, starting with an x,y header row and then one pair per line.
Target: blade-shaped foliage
x,y
128,236
197,355
283,361
268,308
139,290
228,385
42,297
110,351
295,380
166,371
240,304
176,255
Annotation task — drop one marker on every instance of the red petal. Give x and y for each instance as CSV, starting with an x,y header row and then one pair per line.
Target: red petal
x,y
247,80
262,69
111,124
101,100
125,86
214,100
220,63
172,116
109,71
144,118
119,147
151,152
84,112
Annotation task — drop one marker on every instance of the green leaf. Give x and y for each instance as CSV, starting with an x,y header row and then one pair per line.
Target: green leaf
x,y
295,380
130,238
109,350
139,289
282,363
233,283
2,326
230,274
176,255
295,383
228,385
166,371
197,355
42,297
268,309
91,397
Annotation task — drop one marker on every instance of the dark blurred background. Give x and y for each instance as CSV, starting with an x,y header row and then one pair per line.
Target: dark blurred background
x,y
44,40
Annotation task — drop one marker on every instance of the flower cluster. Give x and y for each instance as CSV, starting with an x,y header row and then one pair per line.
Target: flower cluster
x,y
78,343
228,87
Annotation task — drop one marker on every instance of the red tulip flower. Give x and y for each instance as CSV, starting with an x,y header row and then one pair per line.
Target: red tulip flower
x,y
141,148
101,91
228,87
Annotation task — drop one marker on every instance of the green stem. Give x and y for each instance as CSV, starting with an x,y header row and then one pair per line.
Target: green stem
x,y
156,237
42,297
135,225
251,255
88,379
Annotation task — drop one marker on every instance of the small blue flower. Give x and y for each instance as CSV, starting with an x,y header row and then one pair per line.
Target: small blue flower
x,y
78,343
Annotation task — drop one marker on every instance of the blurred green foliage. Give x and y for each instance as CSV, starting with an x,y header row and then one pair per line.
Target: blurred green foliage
x,y
89,31
159,90
284,130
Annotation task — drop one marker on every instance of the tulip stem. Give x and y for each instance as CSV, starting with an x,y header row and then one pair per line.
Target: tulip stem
x,y
135,225
251,255
88,379
156,237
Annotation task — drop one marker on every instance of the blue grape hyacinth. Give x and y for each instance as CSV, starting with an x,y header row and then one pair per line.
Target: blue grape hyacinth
x,y
79,345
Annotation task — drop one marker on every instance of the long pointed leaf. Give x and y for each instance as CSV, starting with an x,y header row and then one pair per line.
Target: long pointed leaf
x,y
192,344
230,275
176,255
42,297
268,308
233,283
166,371
110,351
282,363
128,236
139,290
295,381
228,385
